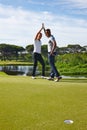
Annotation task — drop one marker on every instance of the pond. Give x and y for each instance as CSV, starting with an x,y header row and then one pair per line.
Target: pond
x,y
25,70
17,69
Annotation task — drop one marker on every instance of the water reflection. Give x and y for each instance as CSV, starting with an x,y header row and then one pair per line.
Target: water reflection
x,y
27,71
17,69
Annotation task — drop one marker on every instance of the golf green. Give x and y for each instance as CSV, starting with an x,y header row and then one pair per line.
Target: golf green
x,y
39,104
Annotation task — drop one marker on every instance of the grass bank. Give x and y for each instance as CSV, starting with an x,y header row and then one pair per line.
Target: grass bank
x,y
27,104
15,63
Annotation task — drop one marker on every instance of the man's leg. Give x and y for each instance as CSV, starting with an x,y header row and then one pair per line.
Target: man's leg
x,y
54,69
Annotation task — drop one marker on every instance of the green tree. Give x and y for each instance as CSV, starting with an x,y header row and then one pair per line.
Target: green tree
x,y
29,48
10,51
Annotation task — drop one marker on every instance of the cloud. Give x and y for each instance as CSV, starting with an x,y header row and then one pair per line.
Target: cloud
x,y
16,24
78,3
78,7
19,26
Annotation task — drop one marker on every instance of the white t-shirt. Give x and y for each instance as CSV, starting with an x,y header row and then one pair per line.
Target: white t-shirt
x,y
37,46
50,43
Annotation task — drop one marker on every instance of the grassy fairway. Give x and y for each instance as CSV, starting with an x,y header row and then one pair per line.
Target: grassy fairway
x,y
27,104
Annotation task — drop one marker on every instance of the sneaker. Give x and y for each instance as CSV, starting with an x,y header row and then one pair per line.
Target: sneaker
x,y
33,77
50,78
57,80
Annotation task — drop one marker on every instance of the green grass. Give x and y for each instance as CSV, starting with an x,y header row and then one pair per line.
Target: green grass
x,y
15,63
3,74
27,104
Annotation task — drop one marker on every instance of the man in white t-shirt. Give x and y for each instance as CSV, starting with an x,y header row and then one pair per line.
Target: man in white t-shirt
x,y
37,54
51,55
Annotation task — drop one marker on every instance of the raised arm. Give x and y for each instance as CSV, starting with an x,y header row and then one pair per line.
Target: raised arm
x,y
43,28
36,37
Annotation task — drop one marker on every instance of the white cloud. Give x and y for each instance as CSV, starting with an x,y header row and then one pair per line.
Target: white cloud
x,y
69,3
18,26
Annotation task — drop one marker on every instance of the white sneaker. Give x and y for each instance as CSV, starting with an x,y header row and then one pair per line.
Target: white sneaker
x,y
33,77
57,80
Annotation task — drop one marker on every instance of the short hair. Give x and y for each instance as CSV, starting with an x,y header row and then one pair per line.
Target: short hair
x,y
48,30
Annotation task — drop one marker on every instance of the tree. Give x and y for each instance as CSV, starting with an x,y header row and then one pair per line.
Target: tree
x,y
9,51
29,48
74,48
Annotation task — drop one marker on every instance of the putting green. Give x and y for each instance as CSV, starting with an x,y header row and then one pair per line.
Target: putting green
x,y
39,104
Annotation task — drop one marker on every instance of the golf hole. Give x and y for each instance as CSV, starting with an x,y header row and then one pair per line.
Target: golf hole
x,y
68,121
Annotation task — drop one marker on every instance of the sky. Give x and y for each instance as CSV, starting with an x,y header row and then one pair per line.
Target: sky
x,y
20,20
